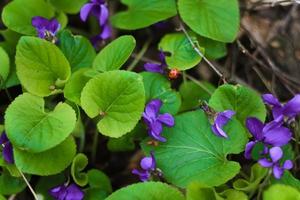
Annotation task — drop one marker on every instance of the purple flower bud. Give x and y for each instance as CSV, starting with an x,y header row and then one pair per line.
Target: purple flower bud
x,y
221,120
157,68
45,28
155,121
7,150
275,156
148,165
64,192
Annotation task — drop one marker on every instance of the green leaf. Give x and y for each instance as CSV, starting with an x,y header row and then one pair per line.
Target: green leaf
x,y
288,179
192,94
127,142
17,15
50,162
79,163
281,192
115,54
68,6
118,97
30,128
257,175
244,101
141,14
76,83
150,190
10,185
213,49
41,66
77,49
231,194
97,179
183,56
158,87
94,194
202,154
4,69
217,20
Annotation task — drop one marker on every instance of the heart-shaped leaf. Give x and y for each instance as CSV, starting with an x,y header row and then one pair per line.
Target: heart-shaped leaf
x,y
118,97
41,66
158,87
10,185
194,153
244,101
31,128
4,69
77,49
217,20
50,162
281,192
213,49
68,6
97,179
17,14
141,14
115,54
183,56
192,94
147,190
79,163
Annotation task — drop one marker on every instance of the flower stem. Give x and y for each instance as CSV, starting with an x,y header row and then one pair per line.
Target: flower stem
x,y
28,185
139,55
263,185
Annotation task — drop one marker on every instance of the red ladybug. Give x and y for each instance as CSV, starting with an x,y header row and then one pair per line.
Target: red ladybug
x,y
174,74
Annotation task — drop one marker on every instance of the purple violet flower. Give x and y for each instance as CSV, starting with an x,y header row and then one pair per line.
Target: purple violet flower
x,y
221,120
289,110
271,133
155,121
157,68
99,9
7,150
64,192
275,156
46,28
148,165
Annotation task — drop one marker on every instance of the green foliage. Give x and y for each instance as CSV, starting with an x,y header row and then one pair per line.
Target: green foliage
x,y
244,101
194,153
213,49
79,163
115,54
17,14
41,66
148,190
76,83
257,175
10,185
215,20
4,66
50,162
288,179
281,192
196,191
97,179
77,49
141,14
183,56
158,87
118,97
192,94
68,6
30,128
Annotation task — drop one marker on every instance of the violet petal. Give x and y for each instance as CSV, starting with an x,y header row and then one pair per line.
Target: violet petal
x,y
255,127
292,107
166,119
85,11
277,171
288,164
265,163
275,154
248,149
278,136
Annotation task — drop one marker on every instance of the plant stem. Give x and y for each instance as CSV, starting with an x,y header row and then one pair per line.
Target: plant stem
x,y
263,184
28,185
139,55
199,83
197,50
95,146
